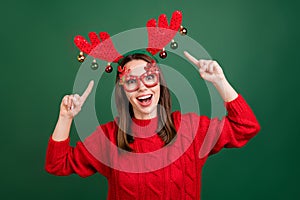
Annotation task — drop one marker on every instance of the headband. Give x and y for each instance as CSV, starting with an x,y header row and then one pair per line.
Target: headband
x,y
159,35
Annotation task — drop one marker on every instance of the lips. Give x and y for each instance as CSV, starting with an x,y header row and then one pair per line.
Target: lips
x,y
145,100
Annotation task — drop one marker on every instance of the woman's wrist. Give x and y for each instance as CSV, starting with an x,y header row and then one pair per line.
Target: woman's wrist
x,y
220,82
65,119
225,90
62,129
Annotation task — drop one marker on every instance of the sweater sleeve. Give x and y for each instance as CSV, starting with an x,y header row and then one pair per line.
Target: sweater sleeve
x,y
63,159
232,131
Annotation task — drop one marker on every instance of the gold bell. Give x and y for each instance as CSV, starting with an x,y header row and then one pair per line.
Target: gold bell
x,y
182,30
81,57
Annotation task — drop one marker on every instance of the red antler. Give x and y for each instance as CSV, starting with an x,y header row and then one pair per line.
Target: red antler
x,y
103,49
159,37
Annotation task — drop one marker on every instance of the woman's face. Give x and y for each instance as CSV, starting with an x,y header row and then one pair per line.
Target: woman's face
x,y
144,100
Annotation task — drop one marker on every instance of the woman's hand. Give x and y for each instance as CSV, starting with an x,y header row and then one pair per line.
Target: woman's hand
x,y
71,104
209,70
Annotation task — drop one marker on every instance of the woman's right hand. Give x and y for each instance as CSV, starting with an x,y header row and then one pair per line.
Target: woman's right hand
x,y
71,104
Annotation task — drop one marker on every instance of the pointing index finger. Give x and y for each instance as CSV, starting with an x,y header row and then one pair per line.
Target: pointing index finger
x,y
87,91
191,58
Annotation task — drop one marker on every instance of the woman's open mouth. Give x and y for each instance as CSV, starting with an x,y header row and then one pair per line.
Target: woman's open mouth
x,y
145,100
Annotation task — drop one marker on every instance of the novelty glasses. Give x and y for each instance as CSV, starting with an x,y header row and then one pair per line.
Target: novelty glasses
x,y
132,83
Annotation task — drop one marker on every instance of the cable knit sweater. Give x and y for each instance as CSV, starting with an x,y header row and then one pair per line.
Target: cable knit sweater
x,y
181,179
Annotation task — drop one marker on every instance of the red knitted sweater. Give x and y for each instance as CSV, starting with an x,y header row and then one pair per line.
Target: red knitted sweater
x,y
180,179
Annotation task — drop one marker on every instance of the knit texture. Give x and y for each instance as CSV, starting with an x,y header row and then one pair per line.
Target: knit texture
x,y
179,180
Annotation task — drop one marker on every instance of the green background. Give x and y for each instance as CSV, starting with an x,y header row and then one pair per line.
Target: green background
x,y
256,42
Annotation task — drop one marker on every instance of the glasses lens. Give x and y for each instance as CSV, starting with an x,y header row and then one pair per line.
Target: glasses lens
x,y
150,79
131,83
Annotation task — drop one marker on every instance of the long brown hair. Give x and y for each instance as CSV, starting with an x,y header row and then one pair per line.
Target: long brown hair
x,y
166,129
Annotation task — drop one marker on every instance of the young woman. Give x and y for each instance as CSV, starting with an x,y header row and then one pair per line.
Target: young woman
x,y
143,100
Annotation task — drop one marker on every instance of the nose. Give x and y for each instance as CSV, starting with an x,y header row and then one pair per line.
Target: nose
x,y
142,87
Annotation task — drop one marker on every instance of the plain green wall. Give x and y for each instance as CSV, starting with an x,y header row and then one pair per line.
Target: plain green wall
x,y
256,42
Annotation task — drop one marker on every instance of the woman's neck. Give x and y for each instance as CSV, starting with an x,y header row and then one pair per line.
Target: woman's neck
x,y
145,116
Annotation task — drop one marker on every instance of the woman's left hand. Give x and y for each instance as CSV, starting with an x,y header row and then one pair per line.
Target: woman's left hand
x,y
209,70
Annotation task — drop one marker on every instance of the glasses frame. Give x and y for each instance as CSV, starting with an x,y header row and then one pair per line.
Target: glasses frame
x,y
139,80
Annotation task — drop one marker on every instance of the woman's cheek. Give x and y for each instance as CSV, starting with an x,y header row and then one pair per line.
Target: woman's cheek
x,y
130,97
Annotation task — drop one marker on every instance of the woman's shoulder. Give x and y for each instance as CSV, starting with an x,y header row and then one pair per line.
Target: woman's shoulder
x,y
108,126
190,121
107,129
189,116
190,127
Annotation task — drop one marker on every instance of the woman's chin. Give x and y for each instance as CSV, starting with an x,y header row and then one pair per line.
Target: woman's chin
x,y
147,112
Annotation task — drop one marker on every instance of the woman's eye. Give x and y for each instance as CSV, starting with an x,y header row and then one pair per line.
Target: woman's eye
x,y
131,81
150,77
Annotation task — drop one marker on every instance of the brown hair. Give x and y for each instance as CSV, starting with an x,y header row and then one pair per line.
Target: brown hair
x,y
166,129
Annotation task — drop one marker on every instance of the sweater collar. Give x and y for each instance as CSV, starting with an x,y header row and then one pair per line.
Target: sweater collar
x,y
144,127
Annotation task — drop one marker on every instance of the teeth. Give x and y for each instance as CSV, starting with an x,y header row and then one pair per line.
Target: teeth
x,y
144,97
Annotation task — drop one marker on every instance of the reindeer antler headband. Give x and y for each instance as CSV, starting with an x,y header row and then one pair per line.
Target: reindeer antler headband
x,y
159,35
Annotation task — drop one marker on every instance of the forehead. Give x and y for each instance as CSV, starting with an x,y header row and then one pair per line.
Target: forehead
x,y
136,67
